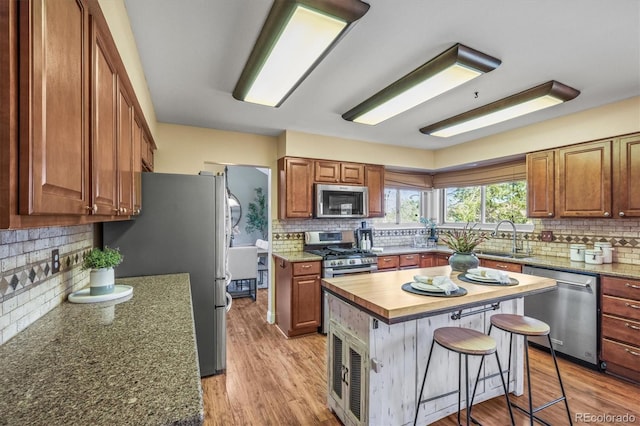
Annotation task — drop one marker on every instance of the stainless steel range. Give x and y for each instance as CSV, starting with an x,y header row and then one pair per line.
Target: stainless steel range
x,y
340,258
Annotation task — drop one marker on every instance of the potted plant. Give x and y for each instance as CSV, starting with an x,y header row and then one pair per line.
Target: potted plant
x,y
463,241
101,263
257,215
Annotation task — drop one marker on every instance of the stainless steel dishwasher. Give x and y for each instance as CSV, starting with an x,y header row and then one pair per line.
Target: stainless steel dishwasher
x,y
571,311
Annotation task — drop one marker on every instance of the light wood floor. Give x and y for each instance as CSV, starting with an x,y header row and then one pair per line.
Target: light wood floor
x,y
271,380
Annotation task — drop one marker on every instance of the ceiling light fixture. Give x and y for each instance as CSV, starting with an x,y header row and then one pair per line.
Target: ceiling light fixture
x,y
543,96
295,37
450,69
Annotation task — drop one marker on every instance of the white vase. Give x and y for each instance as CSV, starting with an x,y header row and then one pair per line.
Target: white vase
x,y
101,281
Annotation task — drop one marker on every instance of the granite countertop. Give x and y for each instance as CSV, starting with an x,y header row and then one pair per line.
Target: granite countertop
x,y
128,361
382,295
563,263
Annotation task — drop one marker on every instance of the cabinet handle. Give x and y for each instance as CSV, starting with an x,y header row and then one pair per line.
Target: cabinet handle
x,y
632,352
637,287
606,214
92,209
305,266
409,257
501,266
550,214
633,327
345,372
123,210
386,259
621,214
631,305
138,211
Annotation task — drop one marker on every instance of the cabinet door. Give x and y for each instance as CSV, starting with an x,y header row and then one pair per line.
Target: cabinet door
x,y
104,157
352,173
54,107
296,188
306,302
584,180
374,180
627,175
137,167
327,171
426,260
356,381
540,184
125,153
441,259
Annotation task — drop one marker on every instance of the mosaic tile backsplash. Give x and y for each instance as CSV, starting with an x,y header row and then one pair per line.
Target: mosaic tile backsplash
x,y
28,288
623,234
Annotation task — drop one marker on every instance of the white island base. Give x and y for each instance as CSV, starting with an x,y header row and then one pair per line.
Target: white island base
x,y
375,370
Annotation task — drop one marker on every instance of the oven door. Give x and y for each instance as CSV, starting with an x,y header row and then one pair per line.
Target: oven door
x,y
333,273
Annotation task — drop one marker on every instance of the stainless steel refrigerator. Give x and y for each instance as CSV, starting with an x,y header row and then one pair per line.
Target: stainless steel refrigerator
x,y
183,227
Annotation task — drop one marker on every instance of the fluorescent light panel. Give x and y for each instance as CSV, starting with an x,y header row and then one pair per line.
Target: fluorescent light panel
x,y
293,40
305,37
540,97
450,69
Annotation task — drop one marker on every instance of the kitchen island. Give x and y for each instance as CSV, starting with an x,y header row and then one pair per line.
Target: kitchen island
x,y
379,339
128,361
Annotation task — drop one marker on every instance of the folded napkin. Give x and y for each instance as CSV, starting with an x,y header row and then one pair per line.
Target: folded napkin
x,y
442,282
500,276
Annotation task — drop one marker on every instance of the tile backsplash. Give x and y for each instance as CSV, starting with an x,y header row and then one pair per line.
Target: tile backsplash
x,y
623,234
28,288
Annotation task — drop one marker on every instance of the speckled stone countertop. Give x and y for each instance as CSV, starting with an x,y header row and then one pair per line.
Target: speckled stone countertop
x,y
565,264
612,269
131,361
297,256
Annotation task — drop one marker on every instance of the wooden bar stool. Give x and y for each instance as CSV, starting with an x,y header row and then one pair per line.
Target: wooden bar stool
x,y
526,326
464,341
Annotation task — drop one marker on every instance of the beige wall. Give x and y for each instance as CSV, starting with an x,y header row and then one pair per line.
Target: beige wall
x,y
609,120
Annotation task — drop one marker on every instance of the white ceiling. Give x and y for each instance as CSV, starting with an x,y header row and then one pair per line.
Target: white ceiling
x,y
193,52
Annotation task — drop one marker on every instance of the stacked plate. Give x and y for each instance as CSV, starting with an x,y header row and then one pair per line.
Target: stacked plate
x,y
426,287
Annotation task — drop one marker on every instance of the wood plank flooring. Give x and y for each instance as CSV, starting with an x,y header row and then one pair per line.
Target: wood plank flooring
x,y
271,380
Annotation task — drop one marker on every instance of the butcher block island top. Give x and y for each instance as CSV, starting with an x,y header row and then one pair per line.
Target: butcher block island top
x,y
381,294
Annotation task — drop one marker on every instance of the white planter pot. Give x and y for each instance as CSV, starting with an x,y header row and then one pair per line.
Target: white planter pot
x,y
101,281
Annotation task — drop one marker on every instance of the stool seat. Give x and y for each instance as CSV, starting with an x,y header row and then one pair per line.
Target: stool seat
x,y
519,324
465,341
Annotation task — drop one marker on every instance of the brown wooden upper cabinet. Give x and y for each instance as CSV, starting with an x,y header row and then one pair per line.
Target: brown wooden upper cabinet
x,y
339,172
593,179
295,187
137,166
584,180
626,157
540,184
374,180
104,143
125,153
54,107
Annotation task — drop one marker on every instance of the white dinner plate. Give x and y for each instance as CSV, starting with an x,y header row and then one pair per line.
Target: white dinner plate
x,y
426,287
481,278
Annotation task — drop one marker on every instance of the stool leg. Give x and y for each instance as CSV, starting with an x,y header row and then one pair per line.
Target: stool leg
x,y
526,354
475,387
459,384
506,391
555,362
509,363
466,388
424,379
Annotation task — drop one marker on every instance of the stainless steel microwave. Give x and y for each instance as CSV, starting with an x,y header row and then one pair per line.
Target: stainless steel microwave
x,y
341,201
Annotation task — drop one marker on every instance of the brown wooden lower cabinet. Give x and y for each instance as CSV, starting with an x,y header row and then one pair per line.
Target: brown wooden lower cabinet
x,y
408,261
441,259
298,297
620,327
503,266
388,263
427,260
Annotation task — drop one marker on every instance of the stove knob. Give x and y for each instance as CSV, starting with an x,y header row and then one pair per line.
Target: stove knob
x,y
333,263
352,261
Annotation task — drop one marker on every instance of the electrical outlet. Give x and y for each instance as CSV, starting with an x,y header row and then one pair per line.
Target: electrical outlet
x,y
55,261
376,365
546,236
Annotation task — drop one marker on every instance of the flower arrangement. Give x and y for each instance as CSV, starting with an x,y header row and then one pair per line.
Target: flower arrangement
x,y
99,259
463,240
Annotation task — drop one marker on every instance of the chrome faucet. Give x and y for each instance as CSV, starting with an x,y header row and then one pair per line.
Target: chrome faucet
x,y
514,248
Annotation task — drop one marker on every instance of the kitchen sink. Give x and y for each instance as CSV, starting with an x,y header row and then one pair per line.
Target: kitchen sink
x,y
504,254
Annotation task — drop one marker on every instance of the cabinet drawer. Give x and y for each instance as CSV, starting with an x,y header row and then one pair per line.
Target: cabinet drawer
x,y
503,266
624,330
621,354
306,268
621,307
388,262
621,287
409,260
